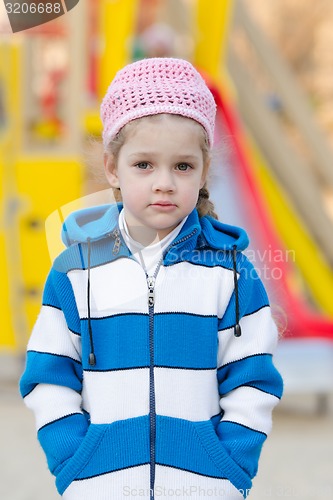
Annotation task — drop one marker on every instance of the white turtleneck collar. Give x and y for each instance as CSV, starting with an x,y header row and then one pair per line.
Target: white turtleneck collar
x,y
147,256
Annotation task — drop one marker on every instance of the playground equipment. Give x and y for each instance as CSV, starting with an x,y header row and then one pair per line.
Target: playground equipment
x,y
309,335
45,116
291,224
39,164
305,226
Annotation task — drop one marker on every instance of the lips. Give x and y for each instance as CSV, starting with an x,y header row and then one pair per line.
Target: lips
x,y
163,204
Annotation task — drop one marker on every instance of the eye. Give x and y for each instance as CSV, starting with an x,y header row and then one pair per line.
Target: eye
x,y
142,165
183,167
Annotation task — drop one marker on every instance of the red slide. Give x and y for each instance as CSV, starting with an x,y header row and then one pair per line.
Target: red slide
x,y
302,322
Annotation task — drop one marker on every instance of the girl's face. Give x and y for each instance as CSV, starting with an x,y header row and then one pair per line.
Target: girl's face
x,y
160,169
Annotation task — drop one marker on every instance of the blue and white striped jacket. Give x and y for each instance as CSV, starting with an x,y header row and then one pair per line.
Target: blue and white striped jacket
x,y
157,387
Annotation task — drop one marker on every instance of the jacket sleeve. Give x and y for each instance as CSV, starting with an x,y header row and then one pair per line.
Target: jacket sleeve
x,y
249,384
51,384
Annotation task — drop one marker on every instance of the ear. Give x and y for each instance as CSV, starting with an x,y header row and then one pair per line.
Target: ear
x,y
111,170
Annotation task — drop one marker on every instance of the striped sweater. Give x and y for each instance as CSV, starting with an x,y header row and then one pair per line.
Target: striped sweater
x,y
159,386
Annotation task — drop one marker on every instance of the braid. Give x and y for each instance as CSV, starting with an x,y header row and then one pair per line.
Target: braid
x,y
204,204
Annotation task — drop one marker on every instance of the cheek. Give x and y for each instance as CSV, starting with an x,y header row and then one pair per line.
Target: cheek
x,y
132,193
194,185
127,184
190,195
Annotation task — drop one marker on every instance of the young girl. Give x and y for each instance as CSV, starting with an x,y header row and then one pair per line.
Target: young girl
x,y
150,365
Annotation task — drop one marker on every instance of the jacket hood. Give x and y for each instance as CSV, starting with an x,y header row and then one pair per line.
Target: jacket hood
x,y
95,223
223,236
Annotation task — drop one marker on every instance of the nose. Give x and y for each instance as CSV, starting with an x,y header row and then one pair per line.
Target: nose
x,y
163,181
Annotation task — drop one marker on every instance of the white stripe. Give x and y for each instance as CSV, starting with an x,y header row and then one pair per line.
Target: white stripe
x,y
121,287
134,483
194,289
176,483
115,485
249,407
51,335
51,402
116,395
259,335
188,394
117,287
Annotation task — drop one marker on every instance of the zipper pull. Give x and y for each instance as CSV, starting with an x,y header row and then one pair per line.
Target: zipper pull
x,y
117,243
151,293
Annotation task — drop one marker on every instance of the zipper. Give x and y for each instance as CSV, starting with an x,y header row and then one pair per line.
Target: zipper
x,y
151,280
151,290
180,241
152,403
117,243
152,407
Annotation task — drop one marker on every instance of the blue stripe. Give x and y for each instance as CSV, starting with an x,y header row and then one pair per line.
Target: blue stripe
x,y
119,436
46,304
58,420
75,333
56,355
31,388
187,341
61,438
49,296
252,296
180,341
45,368
120,342
178,445
185,445
108,448
243,444
228,319
256,371
65,301
113,470
239,426
195,447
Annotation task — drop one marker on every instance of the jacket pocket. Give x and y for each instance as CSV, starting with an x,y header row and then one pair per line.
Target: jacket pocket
x,y
81,457
221,458
107,448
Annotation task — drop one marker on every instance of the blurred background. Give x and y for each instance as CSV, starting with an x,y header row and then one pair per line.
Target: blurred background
x,y
269,65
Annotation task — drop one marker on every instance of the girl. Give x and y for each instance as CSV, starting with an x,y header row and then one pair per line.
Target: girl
x,y
150,365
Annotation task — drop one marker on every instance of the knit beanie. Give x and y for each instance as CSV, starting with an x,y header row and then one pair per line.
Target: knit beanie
x,y
153,86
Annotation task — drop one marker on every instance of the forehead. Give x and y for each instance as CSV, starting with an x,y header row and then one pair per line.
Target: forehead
x,y
167,123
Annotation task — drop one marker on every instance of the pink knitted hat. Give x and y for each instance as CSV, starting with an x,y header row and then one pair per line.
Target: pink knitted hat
x,y
153,86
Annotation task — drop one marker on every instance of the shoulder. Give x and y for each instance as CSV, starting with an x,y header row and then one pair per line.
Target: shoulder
x,y
76,257
70,259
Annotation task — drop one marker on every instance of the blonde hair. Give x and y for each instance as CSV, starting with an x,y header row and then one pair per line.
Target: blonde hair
x,y
204,205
